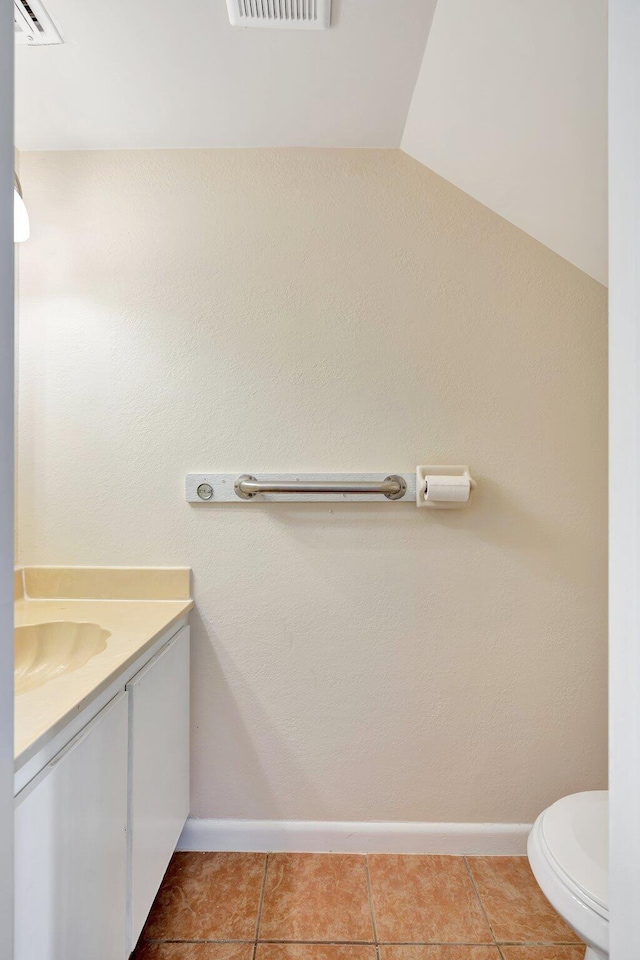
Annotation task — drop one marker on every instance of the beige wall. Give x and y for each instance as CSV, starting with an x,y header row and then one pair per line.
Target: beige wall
x,y
330,310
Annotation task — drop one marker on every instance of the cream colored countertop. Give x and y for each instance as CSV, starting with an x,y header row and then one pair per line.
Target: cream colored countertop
x,y
134,626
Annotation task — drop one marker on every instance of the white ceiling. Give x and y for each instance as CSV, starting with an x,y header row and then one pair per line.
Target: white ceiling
x,y
511,106
163,73
509,101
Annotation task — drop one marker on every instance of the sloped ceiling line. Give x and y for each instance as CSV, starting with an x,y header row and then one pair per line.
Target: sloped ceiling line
x,y
510,106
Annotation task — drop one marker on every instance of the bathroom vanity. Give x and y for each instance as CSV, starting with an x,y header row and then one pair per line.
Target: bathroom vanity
x,y
102,760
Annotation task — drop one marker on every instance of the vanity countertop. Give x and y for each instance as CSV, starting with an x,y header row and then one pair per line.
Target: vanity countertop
x,y
134,624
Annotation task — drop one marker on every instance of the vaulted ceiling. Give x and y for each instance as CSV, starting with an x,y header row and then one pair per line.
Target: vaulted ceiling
x,y
165,73
511,106
506,100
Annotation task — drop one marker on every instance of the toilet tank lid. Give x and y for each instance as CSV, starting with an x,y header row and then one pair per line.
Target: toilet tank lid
x,y
576,833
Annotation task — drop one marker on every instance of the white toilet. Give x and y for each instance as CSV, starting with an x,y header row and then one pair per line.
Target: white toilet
x,y
568,853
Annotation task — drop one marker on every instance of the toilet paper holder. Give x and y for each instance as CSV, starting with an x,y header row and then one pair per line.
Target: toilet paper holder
x,y
430,486
443,487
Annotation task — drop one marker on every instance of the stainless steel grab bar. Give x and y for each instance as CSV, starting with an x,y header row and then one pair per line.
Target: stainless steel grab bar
x,y
393,487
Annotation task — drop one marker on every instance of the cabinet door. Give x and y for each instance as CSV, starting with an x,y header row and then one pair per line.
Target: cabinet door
x,y
71,848
158,772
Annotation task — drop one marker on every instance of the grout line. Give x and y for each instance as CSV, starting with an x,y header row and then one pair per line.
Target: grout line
x,y
185,940
434,943
260,904
541,943
386,943
477,893
325,943
371,906
437,943
337,943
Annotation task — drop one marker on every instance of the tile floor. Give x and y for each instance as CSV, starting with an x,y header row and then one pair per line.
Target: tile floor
x,y
302,906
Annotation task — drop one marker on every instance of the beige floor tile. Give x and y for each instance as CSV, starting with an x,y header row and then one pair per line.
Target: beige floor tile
x,y
208,896
193,951
425,899
438,951
315,951
515,905
539,952
316,897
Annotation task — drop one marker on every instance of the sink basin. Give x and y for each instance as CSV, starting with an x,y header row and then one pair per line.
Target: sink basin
x,y
47,650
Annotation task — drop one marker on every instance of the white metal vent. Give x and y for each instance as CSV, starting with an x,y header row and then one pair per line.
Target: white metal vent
x,y
279,14
33,25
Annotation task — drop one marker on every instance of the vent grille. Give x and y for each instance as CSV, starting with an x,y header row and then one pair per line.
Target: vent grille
x,y
278,14
32,24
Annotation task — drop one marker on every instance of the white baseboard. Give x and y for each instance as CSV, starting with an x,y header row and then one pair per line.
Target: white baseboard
x,y
306,836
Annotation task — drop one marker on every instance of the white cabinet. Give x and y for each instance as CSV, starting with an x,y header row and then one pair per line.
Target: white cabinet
x,y
158,772
96,826
71,847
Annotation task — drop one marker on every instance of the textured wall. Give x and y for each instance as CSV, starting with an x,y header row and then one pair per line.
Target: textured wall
x,y
330,310
511,106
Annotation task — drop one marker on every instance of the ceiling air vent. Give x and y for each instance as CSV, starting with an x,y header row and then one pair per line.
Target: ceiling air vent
x,y
281,14
33,25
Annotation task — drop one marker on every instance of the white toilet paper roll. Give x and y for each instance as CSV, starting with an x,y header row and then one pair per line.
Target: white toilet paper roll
x,y
447,489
